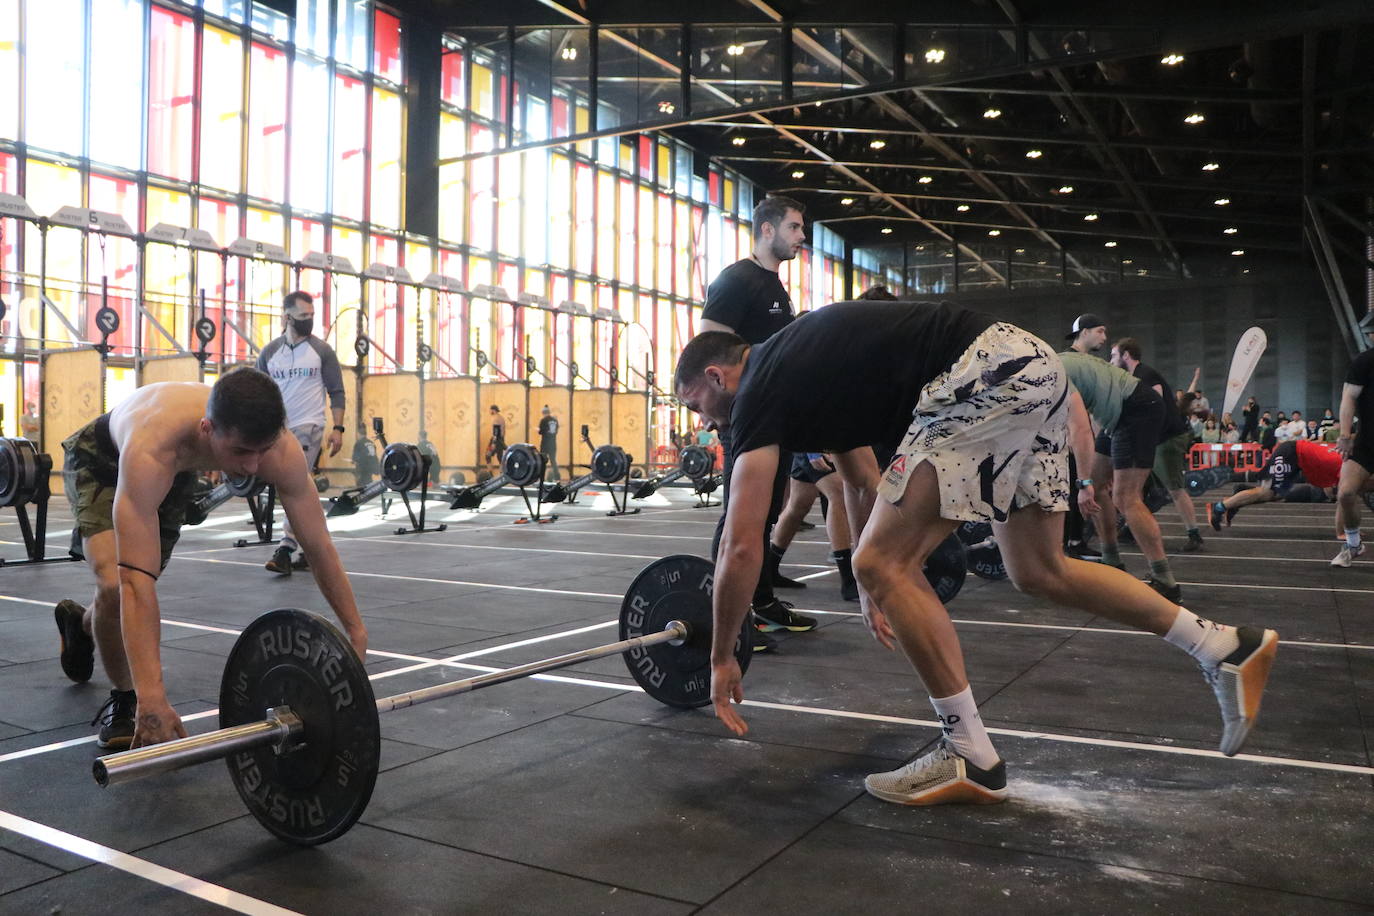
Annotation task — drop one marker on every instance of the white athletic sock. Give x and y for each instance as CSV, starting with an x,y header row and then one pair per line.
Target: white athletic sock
x,y
963,726
1352,538
1205,640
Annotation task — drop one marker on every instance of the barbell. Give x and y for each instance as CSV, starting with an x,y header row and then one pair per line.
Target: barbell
x,y
19,472
299,720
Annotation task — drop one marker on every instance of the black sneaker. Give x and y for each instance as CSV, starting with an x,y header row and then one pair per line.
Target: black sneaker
x,y
300,563
1214,513
1194,542
778,615
806,526
1173,592
280,562
78,649
116,720
763,642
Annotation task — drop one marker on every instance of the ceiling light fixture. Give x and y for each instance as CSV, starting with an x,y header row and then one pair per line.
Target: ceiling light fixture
x,y
1222,201
1237,252
846,200
1128,261
1171,60
887,230
1211,166
1020,251
1196,117
877,144
1109,244
935,55
666,107
734,50
925,179
1090,217
1066,189
994,232
991,113
738,141
1033,154
568,54
798,174
1230,230
962,208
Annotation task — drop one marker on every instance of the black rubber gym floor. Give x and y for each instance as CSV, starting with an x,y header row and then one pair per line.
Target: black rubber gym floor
x,y
576,793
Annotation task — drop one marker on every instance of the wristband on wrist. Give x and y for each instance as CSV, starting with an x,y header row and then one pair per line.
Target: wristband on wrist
x,y
338,429
1085,482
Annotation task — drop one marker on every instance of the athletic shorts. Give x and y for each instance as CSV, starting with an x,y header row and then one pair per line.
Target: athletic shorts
x,y
1362,452
805,471
1132,444
1281,470
995,428
1171,459
90,471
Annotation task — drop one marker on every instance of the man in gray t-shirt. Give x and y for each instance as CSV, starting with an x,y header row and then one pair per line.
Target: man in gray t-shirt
x,y
307,372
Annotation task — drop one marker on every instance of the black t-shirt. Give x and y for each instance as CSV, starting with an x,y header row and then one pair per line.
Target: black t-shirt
x,y
1173,418
751,299
1250,416
847,375
1361,372
548,426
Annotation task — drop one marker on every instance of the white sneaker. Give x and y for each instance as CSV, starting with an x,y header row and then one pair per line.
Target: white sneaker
x,y
1238,683
941,777
1346,555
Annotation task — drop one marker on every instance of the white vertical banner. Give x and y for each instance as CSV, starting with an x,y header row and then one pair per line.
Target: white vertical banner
x,y
1248,351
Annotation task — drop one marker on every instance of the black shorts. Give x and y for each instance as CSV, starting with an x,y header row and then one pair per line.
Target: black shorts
x,y
1362,452
1281,470
1138,432
805,471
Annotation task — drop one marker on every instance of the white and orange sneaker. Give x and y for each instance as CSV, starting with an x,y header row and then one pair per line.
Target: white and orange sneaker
x,y
1239,683
940,777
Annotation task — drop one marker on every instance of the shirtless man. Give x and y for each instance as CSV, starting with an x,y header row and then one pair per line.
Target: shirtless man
x,y
129,476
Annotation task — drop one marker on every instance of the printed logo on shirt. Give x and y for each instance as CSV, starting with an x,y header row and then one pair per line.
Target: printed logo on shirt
x,y
896,471
778,308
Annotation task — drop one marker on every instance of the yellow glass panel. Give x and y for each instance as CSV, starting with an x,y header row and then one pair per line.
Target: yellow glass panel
x,y
729,195
386,158
483,94
221,119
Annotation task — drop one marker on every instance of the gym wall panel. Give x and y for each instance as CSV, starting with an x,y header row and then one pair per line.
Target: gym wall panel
x,y
591,408
451,421
73,395
396,399
510,398
629,424
559,401
169,369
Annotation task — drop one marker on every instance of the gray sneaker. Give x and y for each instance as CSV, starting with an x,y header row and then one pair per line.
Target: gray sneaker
x,y
1346,555
940,777
1239,683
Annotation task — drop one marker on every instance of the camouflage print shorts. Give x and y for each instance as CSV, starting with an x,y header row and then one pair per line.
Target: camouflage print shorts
x,y
89,474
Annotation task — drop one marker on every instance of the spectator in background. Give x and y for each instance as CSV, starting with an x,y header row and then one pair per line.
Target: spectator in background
x,y
1267,432
28,422
1313,430
1202,403
1327,421
1230,434
1297,429
1210,432
1249,427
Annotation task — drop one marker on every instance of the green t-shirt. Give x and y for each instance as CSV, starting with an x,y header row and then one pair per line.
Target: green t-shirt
x,y
1103,387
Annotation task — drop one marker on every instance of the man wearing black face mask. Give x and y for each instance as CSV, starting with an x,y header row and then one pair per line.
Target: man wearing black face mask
x,y
306,370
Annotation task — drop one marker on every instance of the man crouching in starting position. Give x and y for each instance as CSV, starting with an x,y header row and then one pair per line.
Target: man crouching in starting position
x,y
129,476
987,443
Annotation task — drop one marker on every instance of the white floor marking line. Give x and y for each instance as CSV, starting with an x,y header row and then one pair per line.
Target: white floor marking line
x,y
142,868
1075,739
19,600
498,585
580,553
638,534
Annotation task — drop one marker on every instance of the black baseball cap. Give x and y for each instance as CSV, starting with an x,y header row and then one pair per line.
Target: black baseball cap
x,y
1083,323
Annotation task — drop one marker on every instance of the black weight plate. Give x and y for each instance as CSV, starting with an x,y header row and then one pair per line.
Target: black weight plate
x,y
244,486
676,588
696,462
321,483
1195,482
610,463
522,464
457,478
18,471
946,568
971,533
403,467
314,793
985,560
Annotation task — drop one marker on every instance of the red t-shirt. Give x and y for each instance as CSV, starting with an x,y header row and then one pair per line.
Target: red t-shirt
x,y
1319,462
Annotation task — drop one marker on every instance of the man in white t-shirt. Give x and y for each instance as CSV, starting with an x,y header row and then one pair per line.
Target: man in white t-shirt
x,y
307,372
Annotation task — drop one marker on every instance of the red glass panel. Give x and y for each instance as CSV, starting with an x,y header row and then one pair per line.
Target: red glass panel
x,y
386,46
451,88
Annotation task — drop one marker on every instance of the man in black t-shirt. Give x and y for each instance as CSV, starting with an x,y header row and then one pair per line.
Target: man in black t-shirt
x,y
978,412
1171,457
1356,445
748,299
548,440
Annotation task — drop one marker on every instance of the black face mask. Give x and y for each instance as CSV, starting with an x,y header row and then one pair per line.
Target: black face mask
x,y
302,326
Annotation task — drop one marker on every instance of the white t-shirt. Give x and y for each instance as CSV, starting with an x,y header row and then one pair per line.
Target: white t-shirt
x,y
305,373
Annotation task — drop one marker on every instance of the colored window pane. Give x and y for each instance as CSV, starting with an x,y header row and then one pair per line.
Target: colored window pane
x,y
55,74
221,115
452,90
625,267
267,86
645,237
221,219
9,71
663,238
350,146
171,86
350,40
665,166
483,92
386,159
560,200
605,226
312,26
386,46
508,206
584,204
309,134
536,195
307,235
117,83
452,178
481,192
